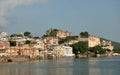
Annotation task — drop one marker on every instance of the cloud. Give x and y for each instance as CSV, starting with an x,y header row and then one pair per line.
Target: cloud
x,y
8,5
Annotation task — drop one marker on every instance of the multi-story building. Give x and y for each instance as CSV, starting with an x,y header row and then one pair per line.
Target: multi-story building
x,y
3,36
51,40
39,44
58,50
93,41
4,45
68,51
107,45
22,51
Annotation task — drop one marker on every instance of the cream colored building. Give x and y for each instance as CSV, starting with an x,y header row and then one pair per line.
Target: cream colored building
x,y
93,41
22,51
39,44
51,40
60,33
58,50
72,42
63,34
107,45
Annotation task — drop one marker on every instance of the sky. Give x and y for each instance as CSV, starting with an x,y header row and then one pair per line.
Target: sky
x,y
99,17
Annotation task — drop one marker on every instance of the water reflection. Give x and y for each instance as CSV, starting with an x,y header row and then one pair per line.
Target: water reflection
x,y
66,66
104,66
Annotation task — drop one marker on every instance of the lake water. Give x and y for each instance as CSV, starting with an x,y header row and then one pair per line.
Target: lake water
x,y
65,66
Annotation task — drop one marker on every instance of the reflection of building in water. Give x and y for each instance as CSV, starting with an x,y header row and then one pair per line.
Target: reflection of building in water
x,y
96,68
60,67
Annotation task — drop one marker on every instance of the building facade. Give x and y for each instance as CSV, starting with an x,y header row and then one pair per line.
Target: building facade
x,y
93,41
107,45
68,51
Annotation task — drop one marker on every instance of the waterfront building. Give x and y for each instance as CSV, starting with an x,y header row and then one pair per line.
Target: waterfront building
x,y
22,51
68,51
58,50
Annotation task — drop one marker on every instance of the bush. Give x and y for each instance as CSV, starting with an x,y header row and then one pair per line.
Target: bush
x,y
98,50
84,34
116,50
67,39
27,42
81,47
12,43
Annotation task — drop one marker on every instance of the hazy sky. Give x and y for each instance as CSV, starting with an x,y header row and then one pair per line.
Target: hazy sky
x,y
98,17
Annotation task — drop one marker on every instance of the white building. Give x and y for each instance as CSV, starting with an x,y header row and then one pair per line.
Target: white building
x,y
107,45
68,51
3,36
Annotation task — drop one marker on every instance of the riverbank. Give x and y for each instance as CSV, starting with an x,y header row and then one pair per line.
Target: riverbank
x,y
28,59
17,59
25,59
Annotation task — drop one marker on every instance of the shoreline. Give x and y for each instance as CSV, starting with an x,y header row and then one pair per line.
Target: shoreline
x,y
27,60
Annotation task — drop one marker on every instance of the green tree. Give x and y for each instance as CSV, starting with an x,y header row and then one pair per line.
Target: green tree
x,y
12,43
116,50
20,35
84,34
16,35
80,47
13,35
27,42
44,36
27,34
98,50
53,33
68,38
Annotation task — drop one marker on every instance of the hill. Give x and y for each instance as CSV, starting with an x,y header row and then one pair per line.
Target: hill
x,y
115,44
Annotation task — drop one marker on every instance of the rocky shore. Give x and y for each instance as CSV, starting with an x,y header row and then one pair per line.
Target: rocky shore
x,y
17,59
24,59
